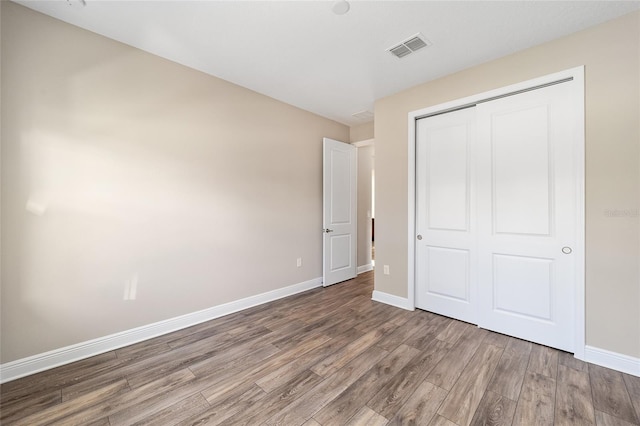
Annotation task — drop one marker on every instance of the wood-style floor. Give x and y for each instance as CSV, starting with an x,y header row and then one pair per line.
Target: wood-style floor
x,y
327,357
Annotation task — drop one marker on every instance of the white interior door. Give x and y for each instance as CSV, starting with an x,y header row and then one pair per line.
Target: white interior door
x,y
527,215
339,211
445,223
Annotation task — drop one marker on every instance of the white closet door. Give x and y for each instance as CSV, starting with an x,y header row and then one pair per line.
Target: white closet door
x,y
527,215
445,241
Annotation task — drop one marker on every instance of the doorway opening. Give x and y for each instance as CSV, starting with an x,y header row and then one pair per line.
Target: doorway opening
x,y
366,205
373,216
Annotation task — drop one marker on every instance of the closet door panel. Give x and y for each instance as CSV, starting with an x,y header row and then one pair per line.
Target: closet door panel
x,y
526,215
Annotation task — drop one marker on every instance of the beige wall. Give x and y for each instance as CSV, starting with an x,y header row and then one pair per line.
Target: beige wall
x,y
610,53
361,132
120,167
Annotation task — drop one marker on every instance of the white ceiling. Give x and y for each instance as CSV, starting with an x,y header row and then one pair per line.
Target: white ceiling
x,y
301,53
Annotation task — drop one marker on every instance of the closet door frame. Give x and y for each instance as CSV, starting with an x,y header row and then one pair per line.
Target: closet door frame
x,y
576,77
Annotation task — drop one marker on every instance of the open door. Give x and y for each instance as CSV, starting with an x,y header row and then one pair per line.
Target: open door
x,y
339,216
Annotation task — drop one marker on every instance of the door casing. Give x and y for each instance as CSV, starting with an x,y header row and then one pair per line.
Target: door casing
x,y
577,75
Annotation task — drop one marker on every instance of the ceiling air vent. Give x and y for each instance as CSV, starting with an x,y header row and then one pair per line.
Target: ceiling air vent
x,y
409,46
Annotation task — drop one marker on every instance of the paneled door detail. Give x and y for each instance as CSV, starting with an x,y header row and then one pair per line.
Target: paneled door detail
x,y
339,211
527,215
445,227
496,215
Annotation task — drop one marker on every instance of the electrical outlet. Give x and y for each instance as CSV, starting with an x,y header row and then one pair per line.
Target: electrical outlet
x,y
385,269
299,262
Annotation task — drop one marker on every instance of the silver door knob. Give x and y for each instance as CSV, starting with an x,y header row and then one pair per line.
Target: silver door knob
x,y
327,230
419,237
566,250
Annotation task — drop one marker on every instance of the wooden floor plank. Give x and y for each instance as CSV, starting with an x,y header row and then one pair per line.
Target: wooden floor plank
x,y
63,411
281,375
544,360
203,331
99,422
148,407
509,375
604,419
340,410
142,350
310,403
283,339
494,410
537,401
367,417
398,336
574,404
212,367
633,387
29,404
227,407
249,376
421,406
158,367
377,362
391,396
318,312
438,420
343,356
161,389
428,333
58,378
465,396
87,386
380,315
446,373
282,324
568,360
610,393
454,331
276,400
174,413
218,348
497,339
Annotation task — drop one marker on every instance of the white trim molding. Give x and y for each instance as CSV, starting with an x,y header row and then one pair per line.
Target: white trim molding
x,y
365,268
366,142
390,299
604,358
55,358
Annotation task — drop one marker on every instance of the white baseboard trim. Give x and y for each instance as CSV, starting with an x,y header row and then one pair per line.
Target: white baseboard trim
x,y
624,363
55,358
365,268
390,299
